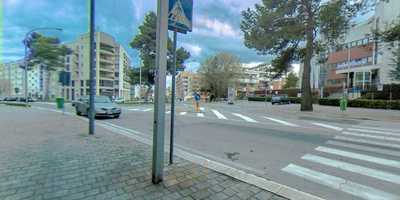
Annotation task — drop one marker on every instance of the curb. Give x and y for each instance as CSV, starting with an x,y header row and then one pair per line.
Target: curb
x,y
18,104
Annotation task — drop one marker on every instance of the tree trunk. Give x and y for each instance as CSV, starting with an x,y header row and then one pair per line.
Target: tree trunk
x,y
47,88
307,101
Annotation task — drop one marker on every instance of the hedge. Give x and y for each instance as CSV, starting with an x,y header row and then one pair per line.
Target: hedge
x,y
295,100
259,98
363,103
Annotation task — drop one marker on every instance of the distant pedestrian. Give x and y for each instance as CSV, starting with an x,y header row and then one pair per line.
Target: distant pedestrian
x,y
197,99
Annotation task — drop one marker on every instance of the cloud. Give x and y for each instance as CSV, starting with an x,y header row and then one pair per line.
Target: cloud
x,y
194,49
214,27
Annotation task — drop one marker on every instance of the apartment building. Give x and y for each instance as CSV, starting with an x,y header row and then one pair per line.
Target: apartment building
x,y
112,65
254,78
360,62
12,80
186,84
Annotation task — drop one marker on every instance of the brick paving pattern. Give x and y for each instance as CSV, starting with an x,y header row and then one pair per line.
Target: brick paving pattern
x,y
49,156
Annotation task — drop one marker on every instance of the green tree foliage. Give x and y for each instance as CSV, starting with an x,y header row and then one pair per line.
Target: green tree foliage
x,y
287,30
291,81
392,36
145,43
219,72
48,52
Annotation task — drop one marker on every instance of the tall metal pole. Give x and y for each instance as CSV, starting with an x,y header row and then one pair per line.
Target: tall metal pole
x,y
92,64
171,139
140,83
159,103
26,71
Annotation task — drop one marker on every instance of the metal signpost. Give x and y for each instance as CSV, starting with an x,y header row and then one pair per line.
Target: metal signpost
x,y
92,65
180,14
160,86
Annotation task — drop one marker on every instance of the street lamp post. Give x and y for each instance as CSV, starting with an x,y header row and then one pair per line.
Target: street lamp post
x,y
26,56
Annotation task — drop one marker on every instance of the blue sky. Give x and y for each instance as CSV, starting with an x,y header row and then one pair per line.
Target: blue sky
x,y
215,29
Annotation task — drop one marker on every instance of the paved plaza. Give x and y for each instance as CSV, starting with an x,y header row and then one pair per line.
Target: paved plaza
x,y
47,155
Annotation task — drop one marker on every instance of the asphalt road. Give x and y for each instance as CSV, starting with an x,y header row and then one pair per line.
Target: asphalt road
x,y
333,155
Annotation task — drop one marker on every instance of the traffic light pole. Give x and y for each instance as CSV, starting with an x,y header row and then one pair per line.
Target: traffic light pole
x,y
92,86
171,139
160,86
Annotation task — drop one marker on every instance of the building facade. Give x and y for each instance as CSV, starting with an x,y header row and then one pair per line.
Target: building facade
x,y
360,62
12,79
186,84
112,65
254,79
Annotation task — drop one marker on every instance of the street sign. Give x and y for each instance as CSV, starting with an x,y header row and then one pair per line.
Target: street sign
x,y
180,14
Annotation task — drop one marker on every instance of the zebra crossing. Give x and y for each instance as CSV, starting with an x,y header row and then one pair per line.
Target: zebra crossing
x,y
355,155
235,116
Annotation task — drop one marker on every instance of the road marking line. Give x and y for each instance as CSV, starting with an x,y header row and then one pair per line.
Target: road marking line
x,y
372,136
218,114
281,122
202,108
383,144
147,110
375,128
381,175
365,148
357,156
337,183
247,119
200,115
168,112
373,131
134,109
328,126
182,113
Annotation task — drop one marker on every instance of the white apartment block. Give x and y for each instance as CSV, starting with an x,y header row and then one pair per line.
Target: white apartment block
x,y
112,65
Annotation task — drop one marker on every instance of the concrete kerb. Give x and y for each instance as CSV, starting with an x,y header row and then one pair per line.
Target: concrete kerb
x,y
19,104
263,183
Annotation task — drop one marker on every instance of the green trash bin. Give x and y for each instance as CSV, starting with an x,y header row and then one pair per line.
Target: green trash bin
x,y
343,104
60,102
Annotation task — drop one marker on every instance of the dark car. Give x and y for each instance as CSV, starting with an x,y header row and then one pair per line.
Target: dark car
x,y
10,99
280,99
104,107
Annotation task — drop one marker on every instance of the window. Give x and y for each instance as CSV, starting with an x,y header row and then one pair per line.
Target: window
x,y
82,83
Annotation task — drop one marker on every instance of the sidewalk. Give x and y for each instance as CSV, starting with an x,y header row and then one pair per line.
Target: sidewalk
x,y
46,155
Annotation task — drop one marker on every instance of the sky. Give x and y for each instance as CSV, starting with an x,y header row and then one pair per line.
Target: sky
x,y
216,25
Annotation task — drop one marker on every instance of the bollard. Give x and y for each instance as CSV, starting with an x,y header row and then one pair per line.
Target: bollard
x,y
343,104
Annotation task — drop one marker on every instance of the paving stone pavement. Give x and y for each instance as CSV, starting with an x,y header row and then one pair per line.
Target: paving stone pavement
x,y
47,155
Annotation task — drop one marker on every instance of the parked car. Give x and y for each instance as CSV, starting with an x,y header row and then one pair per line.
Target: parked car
x,y
119,100
280,99
104,107
10,99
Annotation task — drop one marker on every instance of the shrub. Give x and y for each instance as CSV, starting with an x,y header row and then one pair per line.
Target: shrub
x,y
363,103
296,100
329,102
259,98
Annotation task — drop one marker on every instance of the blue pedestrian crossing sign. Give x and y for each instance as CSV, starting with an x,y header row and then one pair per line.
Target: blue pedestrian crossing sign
x,y
180,14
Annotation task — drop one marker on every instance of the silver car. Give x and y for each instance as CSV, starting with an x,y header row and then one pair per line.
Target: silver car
x,y
104,107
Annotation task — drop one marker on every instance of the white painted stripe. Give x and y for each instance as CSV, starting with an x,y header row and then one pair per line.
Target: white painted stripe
x,y
182,113
374,131
363,141
218,114
134,109
337,183
168,112
357,156
328,126
147,109
202,108
200,115
372,136
281,122
247,119
381,175
377,128
365,148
